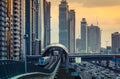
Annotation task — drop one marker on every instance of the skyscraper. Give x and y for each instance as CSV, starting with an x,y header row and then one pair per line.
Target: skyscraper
x,y
63,23
115,42
94,39
30,29
72,31
22,28
41,22
9,30
47,15
15,29
34,26
83,36
3,15
78,45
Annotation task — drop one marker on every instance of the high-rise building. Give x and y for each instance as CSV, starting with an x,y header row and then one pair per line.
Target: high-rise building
x,y
41,22
116,42
83,36
109,50
71,31
16,29
39,9
22,29
78,45
34,26
47,33
9,30
37,16
94,39
63,23
37,47
3,15
30,29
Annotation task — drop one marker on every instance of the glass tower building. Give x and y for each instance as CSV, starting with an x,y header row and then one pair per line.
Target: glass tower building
x,y
72,31
47,34
84,35
30,29
63,23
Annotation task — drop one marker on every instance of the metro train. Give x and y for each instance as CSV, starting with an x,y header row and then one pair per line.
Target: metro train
x,y
43,61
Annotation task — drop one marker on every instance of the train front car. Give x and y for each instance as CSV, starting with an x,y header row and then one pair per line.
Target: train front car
x,y
44,61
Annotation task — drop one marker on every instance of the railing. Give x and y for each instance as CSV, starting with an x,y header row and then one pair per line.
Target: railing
x,y
10,68
51,73
33,68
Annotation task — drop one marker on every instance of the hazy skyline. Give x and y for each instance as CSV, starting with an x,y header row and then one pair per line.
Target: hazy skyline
x,y
105,12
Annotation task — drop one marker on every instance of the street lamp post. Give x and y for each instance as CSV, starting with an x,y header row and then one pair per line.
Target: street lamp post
x,y
25,58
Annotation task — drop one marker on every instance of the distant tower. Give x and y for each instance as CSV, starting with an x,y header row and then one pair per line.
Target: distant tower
x,y
83,36
116,42
94,39
63,23
72,31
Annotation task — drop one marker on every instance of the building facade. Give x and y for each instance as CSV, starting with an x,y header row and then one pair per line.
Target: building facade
x,y
115,42
94,39
83,36
34,26
63,23
30,29
71,31
9,30
78,45
37,47
16,29
41,22
47,29
22,29
3,16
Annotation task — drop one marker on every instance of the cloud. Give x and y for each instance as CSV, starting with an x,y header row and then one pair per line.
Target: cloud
x,y
96,3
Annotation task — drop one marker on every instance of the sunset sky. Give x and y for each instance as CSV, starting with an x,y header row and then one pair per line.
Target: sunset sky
x,y
106,12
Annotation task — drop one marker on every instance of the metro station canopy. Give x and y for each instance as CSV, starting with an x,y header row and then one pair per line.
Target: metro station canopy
x,y
55,47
